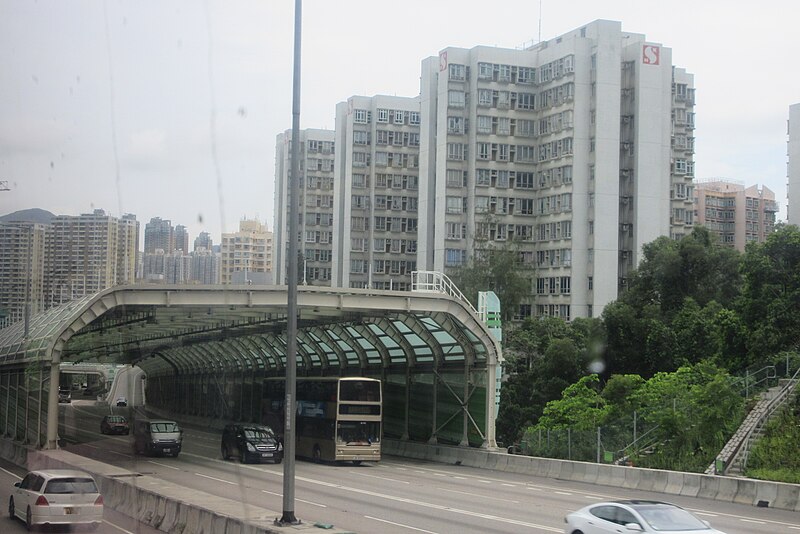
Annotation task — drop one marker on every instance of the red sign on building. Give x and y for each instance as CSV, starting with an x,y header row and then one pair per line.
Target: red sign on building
x,y
651,55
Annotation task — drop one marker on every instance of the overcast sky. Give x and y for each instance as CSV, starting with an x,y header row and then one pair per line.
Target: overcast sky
x,y
170,108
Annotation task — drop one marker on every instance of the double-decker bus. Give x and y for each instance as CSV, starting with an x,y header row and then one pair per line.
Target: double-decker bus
x,y
338,418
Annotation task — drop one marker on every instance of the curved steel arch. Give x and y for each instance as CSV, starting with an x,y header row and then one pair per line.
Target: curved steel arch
x,y
160,328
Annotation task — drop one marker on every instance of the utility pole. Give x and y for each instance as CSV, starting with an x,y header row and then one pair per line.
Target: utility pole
x,y
289,435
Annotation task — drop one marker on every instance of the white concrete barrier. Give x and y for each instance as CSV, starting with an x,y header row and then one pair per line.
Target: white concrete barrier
x,y
166,506
729,489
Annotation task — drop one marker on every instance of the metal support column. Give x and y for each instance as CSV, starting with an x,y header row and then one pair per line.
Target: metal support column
x,y
52,406
465,408
491,406
407,404
434,440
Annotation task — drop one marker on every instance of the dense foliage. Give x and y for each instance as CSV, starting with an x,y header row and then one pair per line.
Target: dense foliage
x,y
775,455
694,311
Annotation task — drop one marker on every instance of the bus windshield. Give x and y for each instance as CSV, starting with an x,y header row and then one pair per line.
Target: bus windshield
x,y
357,390
358,432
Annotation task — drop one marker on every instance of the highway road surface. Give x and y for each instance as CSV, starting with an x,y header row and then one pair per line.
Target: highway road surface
x,y
396,495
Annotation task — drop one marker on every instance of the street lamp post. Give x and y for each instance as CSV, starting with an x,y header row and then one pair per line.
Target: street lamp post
x,y
288,517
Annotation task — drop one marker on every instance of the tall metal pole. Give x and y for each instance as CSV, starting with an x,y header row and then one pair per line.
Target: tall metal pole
x,y
289,438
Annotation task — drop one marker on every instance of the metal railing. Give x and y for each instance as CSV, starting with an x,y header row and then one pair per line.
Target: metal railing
x,y
436,282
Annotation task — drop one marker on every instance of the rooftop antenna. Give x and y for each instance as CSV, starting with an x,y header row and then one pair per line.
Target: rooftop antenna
x,y
540,21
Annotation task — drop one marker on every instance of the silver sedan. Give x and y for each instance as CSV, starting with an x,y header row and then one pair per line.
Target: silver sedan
x,y
635,516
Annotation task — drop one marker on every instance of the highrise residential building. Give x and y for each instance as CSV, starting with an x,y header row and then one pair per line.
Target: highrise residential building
x,y
159,234
203,241
246,255
315,218
88,253
578,149
376,192
22,273
204,267
738,215
793,166
182,239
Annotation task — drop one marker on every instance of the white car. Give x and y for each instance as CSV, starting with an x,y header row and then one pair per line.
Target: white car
x,y
635,516
56,497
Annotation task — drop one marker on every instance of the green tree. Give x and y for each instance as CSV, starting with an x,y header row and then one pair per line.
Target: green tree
x,y
697,266
696,409
495,268
771,293
580,407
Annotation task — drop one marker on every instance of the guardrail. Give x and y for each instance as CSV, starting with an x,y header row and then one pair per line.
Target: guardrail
x,y
436,282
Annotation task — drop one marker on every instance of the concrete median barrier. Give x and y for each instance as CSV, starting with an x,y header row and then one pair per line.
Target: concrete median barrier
x,y
167,506
787,497
729,489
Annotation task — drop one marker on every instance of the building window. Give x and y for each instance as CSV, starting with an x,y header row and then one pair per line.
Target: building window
x,y
399,117
455,125
456,99
483,151
456,152
484,97
526,74
413,118
484,124
360,137
455,205
455,257
456,178
383,115
361,116
457,72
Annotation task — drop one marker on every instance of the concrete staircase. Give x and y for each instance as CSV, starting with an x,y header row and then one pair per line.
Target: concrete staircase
x,y
732,460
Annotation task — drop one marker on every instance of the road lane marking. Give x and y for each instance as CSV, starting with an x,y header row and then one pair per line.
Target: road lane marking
x,y
439,507
593,495
477,495
10,473
509,485
117,527
382,478
165,465
708,514
563,492
752,521
299,500
217,479
399,524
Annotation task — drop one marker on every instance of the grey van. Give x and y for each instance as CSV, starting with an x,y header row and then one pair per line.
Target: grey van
x,y
157,437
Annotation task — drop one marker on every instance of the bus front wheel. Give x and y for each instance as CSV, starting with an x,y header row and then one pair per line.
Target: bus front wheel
x,y
317,454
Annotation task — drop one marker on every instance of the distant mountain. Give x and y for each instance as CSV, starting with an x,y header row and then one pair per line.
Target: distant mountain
x,y
34,215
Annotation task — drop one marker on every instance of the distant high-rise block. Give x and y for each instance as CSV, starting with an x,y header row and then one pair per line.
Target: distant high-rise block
x,y
182,239
316,210
22,269
376,190
159,234
88,253
793,167
738,215
246,255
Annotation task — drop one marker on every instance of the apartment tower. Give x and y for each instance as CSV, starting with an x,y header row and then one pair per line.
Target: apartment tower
x,y
738,215
566,148
316,206
376,189
793,166
88,253
246,255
